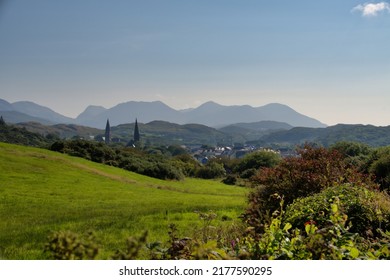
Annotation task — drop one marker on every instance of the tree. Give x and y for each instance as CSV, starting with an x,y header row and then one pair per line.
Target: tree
x,y
256,160
351,149
211,170
379,166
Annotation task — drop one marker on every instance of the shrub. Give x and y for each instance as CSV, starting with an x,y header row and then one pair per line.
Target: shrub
x,y
332,241
313,170
379,166
211,170
134,246
134,160
186,164
355,154
67,245
230,180
351,149
257,160
367,210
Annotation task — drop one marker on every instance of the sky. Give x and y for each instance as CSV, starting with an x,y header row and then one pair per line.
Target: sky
x,y
327,59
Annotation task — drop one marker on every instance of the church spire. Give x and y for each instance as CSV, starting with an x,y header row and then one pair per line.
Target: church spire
x,y
107,134
136,132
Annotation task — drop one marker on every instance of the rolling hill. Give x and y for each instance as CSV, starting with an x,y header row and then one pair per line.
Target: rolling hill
x,y
371,135
164,133
244,132
43,192
66,131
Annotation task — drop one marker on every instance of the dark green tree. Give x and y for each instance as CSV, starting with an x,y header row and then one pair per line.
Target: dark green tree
x,y
250,163
379,166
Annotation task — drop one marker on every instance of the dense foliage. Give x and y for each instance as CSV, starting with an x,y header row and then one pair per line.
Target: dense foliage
x,y
321,204
313,170
153,165
368,134
14,135
251,162
366,209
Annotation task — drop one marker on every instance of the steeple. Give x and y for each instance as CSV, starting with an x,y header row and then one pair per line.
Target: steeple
x,y
107,134
136,132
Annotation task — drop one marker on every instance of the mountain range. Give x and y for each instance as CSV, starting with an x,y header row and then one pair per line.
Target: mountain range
x,y
275,124
209,114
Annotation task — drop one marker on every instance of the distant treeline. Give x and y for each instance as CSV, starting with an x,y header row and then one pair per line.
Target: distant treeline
x,y
14,135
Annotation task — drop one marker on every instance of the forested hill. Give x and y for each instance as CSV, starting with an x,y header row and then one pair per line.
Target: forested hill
x,y
165,133
371,135
21,136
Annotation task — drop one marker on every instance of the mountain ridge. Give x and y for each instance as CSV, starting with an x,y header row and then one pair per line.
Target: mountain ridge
x,y
210,114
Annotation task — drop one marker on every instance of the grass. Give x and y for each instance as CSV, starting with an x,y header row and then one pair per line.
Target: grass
x,y
42,192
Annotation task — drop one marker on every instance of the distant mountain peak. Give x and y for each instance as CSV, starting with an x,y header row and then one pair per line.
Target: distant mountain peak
x,y
210,104
92,110
209,113
39,111
5,105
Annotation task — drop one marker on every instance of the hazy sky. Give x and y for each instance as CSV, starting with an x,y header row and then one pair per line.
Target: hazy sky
x,y
328,59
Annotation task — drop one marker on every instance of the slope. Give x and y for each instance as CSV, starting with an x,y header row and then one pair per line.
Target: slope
x,y
374,136
43,191
38,111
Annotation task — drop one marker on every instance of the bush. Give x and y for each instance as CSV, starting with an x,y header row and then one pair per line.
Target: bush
x,y
351,149
313,170
258,160
379,166
186,164
230,180
367,210
134,160
355,154
94,151
332,241
67,245
211,170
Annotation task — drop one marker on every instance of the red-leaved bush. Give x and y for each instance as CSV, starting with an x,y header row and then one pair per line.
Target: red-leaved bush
x,y
310,172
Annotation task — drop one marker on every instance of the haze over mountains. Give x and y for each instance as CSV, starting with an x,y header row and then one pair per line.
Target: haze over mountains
x,y
209,113
160,124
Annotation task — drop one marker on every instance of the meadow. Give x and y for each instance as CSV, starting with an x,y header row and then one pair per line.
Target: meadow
x,y
42,192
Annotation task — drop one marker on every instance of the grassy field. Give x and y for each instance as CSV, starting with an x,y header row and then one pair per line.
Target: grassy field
x,y
42,192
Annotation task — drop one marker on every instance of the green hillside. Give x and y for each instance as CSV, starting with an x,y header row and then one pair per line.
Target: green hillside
x,y
42,192
374,136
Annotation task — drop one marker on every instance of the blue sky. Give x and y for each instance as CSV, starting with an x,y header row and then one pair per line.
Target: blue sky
x,y
326,59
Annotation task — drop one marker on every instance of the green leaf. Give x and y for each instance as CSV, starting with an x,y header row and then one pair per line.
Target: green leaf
x,y
287,227
354,253
308,228
334,208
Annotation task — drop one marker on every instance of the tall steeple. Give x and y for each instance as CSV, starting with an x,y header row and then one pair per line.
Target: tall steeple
x,y
107,134
136,132
2,122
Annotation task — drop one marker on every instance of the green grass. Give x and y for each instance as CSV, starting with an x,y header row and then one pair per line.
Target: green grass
x,y
42,192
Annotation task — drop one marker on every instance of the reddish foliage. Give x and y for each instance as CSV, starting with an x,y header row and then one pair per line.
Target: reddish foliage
x,y
311,171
